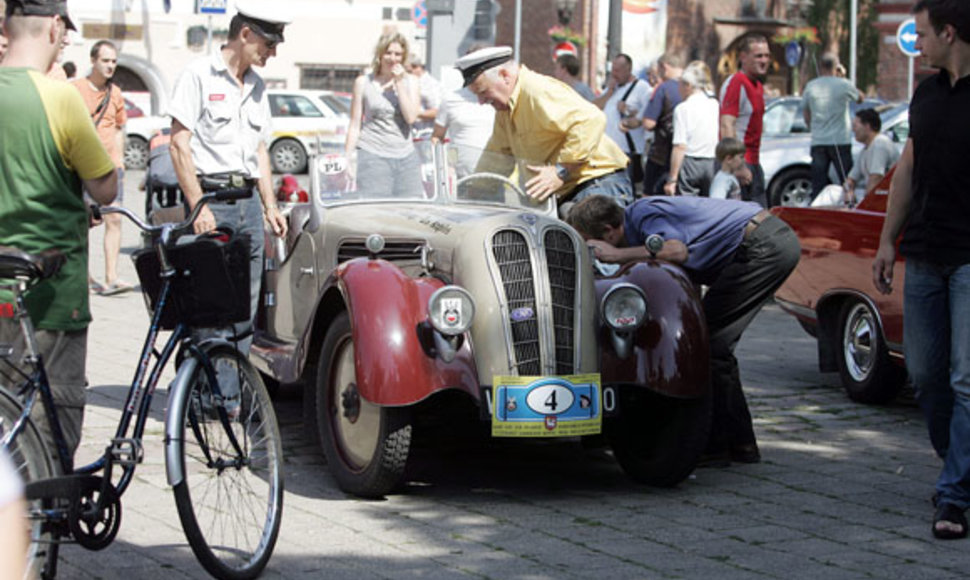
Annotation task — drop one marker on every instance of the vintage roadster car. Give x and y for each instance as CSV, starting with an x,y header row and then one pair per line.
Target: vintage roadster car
x,y
859,330
387,308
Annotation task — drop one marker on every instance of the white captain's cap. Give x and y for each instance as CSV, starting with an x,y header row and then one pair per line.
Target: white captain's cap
x,y
475,63
264,18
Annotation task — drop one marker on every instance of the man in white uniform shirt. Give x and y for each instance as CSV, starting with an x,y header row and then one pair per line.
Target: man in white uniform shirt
x,y
623,101
220,129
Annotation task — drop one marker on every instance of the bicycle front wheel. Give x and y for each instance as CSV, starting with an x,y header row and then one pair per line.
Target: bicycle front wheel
x,y
32,462
230,501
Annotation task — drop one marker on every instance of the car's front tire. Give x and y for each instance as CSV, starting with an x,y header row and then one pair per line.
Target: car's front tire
x,y
658,439
867,373
792,188
366,445
288,156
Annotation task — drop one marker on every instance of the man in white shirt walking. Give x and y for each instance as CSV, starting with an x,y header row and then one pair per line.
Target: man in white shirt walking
x,y
623,101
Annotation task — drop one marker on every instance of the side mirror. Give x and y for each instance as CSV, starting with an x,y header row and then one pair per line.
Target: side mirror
x,y
654,244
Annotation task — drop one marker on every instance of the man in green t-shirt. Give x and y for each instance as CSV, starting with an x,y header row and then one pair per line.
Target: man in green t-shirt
x,y
48,149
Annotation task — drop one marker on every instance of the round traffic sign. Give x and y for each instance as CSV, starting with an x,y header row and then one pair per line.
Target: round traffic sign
x,y
793,53
906,37
419,14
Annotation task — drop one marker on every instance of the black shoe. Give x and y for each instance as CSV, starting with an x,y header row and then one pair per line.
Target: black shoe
x,y
747,453
947,512
717,460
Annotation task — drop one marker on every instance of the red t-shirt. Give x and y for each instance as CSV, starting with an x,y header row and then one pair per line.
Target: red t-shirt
x,y
744,98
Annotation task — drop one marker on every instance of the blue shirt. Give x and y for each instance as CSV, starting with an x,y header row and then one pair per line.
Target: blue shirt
x,y
669,89
712,229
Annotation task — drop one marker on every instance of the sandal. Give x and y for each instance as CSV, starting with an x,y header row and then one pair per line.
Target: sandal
x,y
948,513
94,286
116,287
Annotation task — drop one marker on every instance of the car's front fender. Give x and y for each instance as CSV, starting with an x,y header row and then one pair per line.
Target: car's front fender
x,y
670,350
386,308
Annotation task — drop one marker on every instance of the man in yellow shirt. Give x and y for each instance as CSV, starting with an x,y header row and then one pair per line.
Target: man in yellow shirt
x,y
545,123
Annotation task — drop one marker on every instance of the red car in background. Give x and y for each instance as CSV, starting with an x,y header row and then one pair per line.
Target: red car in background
x,y
859,330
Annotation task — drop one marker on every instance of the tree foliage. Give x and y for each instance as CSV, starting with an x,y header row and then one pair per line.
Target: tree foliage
x,y
832,18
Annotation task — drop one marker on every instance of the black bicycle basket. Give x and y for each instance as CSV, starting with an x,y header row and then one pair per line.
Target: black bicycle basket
x,y
210,287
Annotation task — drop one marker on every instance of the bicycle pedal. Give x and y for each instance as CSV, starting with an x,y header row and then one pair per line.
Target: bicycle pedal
x,y
126,452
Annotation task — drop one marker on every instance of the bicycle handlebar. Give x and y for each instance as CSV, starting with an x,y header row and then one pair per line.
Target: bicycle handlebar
x,y
228,194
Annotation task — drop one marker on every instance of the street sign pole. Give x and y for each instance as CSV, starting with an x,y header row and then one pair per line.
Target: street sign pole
x,y
909,79
853,40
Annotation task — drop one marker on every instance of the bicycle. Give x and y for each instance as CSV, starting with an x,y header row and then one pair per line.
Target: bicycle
x,y
223,452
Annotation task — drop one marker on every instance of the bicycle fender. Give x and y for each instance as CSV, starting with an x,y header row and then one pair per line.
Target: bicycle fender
x,y
173,419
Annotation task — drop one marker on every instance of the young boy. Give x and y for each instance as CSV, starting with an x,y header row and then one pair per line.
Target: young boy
x,y
730,154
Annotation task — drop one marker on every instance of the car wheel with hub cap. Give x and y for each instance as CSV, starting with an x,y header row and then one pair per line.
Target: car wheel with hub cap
x,y
366,445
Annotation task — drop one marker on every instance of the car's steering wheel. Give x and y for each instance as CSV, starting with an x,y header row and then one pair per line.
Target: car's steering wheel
x,y
496,177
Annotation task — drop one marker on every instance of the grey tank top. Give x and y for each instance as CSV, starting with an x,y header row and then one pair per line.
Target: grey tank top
x,y
384,131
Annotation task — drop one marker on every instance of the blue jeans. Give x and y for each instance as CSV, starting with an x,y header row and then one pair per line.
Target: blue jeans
x,y
616,185
936,336
244,217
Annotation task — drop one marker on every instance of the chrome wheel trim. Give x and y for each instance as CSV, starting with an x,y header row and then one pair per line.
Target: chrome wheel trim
x,y
859,342
797,193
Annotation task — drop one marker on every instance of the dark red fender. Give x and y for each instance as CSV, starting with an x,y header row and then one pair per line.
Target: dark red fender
x,y
386,307
671,354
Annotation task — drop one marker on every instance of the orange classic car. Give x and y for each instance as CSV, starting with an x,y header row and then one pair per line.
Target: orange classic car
x,y
859,330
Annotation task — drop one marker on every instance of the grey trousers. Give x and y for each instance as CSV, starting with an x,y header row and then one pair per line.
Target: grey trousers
x,y
64,353
695,176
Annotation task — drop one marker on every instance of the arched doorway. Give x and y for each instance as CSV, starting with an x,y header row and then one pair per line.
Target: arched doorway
x,y
135,74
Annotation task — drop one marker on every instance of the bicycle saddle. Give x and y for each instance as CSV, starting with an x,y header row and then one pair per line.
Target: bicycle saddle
x,y
18,264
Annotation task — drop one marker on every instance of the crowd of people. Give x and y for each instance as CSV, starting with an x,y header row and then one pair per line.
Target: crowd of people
x,y
662,155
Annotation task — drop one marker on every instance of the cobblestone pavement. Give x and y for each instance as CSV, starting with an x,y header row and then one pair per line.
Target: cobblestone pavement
x,y
843,491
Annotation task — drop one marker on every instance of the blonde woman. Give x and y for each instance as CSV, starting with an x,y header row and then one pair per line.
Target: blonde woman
x,y
385,104
695,138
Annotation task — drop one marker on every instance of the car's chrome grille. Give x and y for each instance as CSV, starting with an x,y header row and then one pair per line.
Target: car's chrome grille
x,y
511,252
513,257
394,250
561,260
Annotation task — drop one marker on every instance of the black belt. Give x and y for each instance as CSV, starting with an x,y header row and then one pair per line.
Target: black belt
x,y
588,183
755,221
220,181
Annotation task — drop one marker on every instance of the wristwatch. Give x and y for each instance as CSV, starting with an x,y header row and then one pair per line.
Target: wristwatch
x,y
561,172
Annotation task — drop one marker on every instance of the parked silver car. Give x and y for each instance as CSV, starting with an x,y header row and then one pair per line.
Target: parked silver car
x,y
785,147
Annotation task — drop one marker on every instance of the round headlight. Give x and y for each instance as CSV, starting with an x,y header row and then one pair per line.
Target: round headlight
x,y
624,307
375,243
451,310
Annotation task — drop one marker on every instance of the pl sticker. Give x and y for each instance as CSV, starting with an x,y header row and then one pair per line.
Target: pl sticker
x,y
332,164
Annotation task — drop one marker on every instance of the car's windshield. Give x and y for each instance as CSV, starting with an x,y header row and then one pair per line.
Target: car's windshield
x,y
434,173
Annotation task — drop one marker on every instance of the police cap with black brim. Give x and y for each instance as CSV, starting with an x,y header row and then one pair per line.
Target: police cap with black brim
x,y
475,63
263,18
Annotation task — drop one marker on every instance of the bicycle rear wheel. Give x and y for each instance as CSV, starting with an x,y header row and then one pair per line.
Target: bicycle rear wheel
x,y
230,505
32,461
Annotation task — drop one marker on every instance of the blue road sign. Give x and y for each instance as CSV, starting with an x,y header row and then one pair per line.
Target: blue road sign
x,y
906,37
793,53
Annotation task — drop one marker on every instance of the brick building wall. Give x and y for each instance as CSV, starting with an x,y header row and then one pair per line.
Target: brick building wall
x,y
538,16
893,64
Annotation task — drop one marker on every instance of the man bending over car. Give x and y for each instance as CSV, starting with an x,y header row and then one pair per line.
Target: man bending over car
x,y
742,252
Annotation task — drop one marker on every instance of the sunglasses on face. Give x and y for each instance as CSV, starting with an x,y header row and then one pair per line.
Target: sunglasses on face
x,y
270,43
